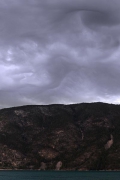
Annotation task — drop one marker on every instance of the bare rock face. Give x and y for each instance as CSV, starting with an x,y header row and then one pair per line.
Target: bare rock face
x,y
43,166
109,143
58,165
20,113
60,137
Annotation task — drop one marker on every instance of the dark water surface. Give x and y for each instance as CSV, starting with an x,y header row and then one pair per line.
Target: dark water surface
x,y
58,175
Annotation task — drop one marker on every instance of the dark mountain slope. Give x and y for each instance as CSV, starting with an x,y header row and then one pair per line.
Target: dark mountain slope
x,y
69,137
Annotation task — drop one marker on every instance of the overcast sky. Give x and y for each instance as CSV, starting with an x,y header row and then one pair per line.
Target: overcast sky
x,y
59,51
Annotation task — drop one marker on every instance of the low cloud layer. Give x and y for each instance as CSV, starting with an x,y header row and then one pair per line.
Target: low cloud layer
x,y
55,51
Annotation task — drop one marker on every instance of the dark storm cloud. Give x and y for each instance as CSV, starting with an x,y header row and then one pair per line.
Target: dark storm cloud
x,y
59,51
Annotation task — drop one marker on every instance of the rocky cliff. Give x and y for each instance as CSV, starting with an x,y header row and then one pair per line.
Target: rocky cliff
x,y
67,137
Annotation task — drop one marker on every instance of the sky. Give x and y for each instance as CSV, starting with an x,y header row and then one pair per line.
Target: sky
x,y
59,52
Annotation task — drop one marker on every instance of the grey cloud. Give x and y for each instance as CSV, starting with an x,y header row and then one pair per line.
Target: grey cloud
x,y
93,18
55,51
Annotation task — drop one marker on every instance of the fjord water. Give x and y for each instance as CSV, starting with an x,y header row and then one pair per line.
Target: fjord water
x,y
59,175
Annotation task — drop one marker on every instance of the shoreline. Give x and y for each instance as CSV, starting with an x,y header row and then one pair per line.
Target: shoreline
x,y
60,170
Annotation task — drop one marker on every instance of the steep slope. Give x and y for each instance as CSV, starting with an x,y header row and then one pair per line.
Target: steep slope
x,y
67,137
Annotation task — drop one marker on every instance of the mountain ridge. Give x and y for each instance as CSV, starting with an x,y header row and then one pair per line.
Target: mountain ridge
x,y
68,137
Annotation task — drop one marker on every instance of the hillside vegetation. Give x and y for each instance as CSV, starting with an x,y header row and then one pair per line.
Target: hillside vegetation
x,y
68,137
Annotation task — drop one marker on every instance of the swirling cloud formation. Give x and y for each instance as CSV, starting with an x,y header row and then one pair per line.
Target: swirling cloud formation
x,y
55,51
